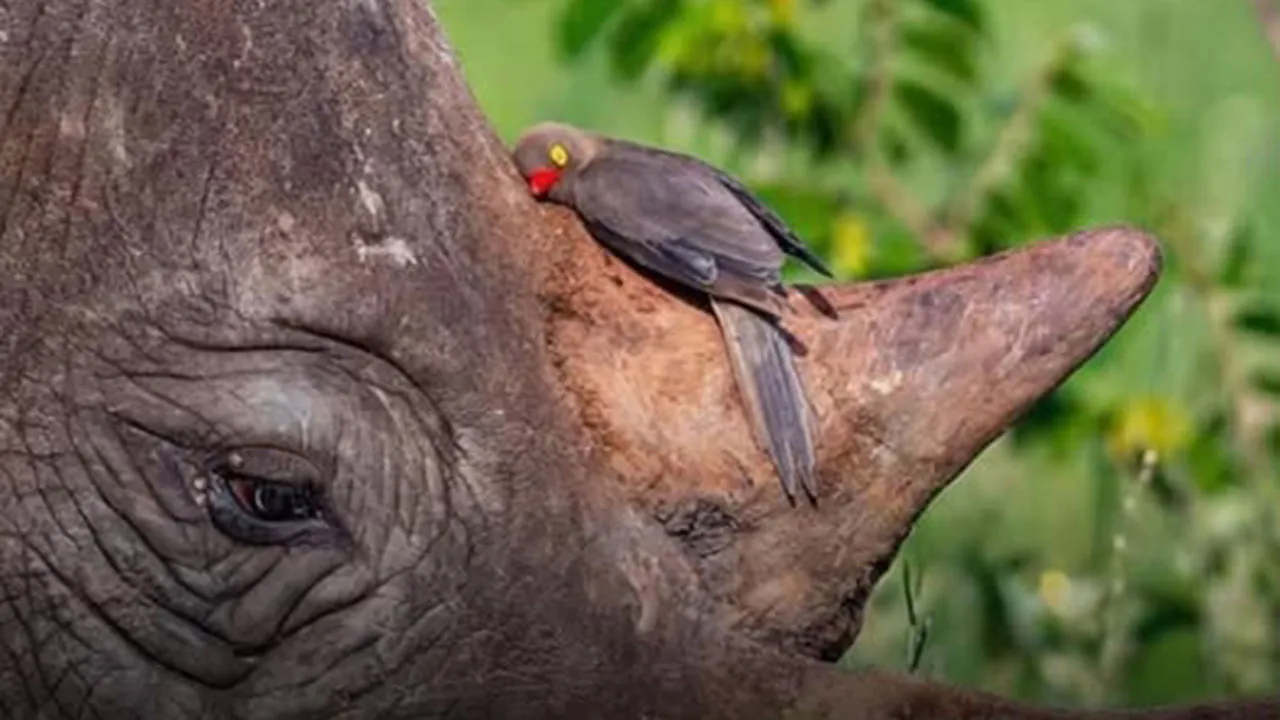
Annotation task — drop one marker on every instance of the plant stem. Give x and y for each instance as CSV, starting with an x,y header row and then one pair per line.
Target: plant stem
x,y
1011,143
1248,427
1115,644
885,187
879,82
1250,440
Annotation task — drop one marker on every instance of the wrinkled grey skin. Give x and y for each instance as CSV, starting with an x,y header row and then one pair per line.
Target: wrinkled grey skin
x,y
217,260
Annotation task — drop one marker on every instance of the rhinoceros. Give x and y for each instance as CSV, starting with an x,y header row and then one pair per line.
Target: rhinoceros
x,y
307,410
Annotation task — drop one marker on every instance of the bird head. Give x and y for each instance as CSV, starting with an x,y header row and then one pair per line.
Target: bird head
x,y
550,154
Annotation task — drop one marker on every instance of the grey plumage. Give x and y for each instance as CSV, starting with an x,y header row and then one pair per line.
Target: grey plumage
x,y
772,392
691,223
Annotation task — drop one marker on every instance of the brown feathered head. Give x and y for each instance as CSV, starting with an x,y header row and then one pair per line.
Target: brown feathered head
x,y
550,155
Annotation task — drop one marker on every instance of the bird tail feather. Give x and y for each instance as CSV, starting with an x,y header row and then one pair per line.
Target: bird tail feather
x,y
772,392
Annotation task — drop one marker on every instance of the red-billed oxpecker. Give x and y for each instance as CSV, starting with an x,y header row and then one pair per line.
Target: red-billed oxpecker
x,y
677,216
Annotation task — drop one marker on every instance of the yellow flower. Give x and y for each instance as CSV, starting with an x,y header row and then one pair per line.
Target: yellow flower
x,y
850,244
782,12
1150,422
1054,585
728,17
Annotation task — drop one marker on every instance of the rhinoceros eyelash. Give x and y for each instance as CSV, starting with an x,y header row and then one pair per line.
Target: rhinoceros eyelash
x,y
255,495
259,510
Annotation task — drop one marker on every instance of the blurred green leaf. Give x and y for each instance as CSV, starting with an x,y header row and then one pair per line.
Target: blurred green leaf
x,y
1212,462
944,48
1259,317
582,21
1267,380
1238,261
895,253
934,115
636,40
808,211
1168,668
969,12
1069,84
1058,422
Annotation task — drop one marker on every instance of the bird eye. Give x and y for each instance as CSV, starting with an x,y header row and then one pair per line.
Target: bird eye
x,y
558,155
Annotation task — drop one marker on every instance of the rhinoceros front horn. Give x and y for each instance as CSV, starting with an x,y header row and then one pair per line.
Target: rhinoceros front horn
x,y
910,380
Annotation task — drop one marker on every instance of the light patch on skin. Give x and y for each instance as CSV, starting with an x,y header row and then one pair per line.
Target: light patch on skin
x,y
776,595
286,222
470,465
643,577
372,201
391,247
71,127
384,400
113,123
246,34
280,404
394,248
886,384
199,491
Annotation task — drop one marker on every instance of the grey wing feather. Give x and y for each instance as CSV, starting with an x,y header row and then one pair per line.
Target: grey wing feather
x,y
672,259
643,203
679,219
773,395
785,237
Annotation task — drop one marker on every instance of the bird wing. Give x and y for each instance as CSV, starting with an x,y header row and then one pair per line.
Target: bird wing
x,y
676,220
786,238
672,259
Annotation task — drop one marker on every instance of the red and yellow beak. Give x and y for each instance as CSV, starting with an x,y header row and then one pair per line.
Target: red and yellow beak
x,y
542,180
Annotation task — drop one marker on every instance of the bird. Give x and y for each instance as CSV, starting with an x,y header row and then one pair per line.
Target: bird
x,y
689,222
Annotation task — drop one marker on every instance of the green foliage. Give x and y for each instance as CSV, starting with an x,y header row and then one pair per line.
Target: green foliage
x,y
912,100
1119,545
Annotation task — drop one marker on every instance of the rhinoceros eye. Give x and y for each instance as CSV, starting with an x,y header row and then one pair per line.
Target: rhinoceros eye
x,y
274,501
268,496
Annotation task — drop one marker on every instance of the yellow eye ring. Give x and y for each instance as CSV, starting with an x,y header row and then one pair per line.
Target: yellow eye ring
x,y
558,155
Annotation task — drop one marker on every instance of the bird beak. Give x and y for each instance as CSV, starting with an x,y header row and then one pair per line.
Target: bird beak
x,y
542,180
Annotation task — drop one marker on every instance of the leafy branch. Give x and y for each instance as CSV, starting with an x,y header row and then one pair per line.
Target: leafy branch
x,y
1011,144
1112,654
1242,396
912,95
884,185
1252,414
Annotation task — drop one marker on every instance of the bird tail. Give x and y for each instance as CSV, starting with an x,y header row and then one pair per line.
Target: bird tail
x,y
772,392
